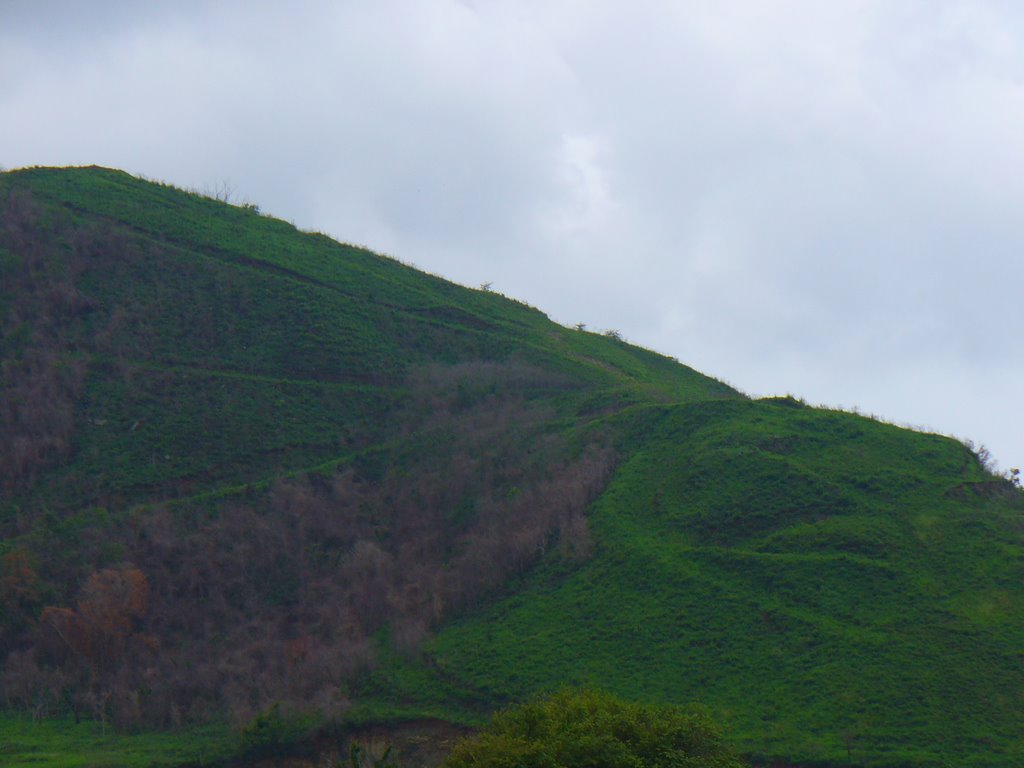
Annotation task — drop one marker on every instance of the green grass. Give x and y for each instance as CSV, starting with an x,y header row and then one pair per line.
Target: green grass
x,y
771,584
61,743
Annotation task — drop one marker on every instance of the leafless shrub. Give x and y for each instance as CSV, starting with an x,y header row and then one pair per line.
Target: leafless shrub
x,y
29,687
278,599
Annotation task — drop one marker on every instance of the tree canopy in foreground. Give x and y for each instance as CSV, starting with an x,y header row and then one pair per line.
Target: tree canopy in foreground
x,y
583,728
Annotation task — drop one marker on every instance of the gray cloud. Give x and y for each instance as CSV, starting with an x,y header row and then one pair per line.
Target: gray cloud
x,y
820,198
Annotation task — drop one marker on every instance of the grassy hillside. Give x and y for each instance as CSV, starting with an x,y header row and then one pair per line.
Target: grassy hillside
x,y
244,464
173,298
814,577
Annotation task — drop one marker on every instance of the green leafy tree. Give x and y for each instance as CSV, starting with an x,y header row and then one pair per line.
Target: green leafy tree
x,y
586,728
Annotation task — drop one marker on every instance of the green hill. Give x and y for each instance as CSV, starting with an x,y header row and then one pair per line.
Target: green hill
x,y
244,464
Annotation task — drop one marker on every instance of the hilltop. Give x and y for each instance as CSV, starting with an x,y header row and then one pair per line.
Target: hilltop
x,y
244,464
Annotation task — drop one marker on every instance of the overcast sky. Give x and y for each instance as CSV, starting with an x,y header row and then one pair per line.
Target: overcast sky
x,y
817,198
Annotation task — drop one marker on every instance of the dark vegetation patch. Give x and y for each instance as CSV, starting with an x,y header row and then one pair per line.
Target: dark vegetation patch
x,y
998,489
41,373
280,596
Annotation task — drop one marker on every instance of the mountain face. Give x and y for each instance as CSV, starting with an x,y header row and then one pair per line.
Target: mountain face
x,y
241,464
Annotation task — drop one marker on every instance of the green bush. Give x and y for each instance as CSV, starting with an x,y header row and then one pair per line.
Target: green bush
x,y
586,728
274,733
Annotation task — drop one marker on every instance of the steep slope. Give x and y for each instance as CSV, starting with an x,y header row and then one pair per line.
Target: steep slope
x,y
244,464
190,299
835,589
235,453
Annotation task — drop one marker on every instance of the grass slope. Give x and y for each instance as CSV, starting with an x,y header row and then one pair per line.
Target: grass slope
x,y
217,325
812,576
835,589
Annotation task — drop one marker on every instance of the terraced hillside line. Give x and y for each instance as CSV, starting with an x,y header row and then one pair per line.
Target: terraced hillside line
x,y
350,383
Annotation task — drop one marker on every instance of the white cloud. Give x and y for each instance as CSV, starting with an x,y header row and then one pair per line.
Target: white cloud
x,y
793,195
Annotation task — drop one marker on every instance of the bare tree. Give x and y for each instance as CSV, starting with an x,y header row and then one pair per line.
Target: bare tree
x,y
222,191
